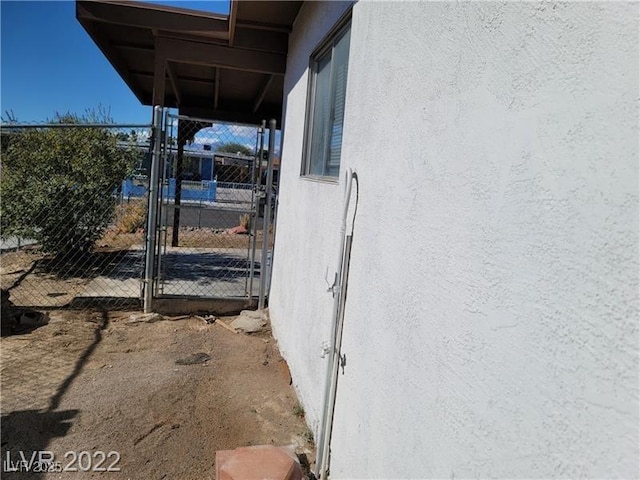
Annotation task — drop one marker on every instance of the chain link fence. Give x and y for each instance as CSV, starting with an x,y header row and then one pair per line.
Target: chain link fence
x,y
71,232
212,204
74,212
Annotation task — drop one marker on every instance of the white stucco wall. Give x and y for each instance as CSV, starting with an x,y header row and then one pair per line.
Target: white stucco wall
x,y
308,242
491,327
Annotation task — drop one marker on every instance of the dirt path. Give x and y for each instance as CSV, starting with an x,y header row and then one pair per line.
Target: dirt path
x,y
94,382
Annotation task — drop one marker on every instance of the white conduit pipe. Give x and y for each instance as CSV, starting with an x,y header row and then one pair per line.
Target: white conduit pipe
x,y
339,294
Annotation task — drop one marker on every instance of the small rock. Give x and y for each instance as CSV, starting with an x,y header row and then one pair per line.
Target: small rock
x,y
284,370
209,319
254,314
250,321
194,359
56,294
145,318
55,317
239,230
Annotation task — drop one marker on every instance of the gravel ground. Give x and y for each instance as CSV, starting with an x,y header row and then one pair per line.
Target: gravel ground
x,y
164,395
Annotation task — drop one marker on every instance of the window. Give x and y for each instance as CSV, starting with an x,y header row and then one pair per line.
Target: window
x,y
325,108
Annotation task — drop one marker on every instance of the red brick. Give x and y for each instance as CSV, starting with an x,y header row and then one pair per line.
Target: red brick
x,y
263,462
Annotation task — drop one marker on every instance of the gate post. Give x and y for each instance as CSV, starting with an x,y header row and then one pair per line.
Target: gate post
x,y
267,216
256,181
152,223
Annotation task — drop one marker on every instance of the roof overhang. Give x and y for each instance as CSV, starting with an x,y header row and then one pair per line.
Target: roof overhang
x,y
219,67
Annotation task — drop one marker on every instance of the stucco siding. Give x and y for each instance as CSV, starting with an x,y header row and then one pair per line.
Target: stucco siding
x,y
307,240
491,325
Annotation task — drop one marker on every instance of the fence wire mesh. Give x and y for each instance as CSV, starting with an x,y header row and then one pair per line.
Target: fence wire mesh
x,y
69,233
212,199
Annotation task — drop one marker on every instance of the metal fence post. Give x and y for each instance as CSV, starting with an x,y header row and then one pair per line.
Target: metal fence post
x,y
267,215
256,208
152,223
162,210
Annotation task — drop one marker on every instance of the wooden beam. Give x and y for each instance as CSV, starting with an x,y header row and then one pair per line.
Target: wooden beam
x,y
244,38
132,46
246,118
223,56
159,74
174,83
203,81
216,89
233,16
143,15
140,73
262,93
272,27
277,42
178,78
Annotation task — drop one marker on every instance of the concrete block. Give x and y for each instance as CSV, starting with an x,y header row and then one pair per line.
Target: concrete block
x,y
262,462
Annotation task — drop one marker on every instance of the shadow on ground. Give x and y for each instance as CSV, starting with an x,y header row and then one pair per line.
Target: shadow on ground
x,y
128,264
206,267
26,434
119,264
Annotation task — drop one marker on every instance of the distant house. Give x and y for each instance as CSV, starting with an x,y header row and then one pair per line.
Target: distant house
x,y
234,168
198,162
203,172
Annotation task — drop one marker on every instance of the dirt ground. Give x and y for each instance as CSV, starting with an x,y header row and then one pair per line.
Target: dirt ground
x,y
97,382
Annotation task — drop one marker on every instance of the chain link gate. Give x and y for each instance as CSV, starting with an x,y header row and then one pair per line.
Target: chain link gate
x,y
211,204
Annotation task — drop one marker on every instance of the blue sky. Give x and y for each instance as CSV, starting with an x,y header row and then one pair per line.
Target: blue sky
x,y
50,64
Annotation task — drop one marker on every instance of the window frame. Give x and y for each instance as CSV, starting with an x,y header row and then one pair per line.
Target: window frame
x,y
326,47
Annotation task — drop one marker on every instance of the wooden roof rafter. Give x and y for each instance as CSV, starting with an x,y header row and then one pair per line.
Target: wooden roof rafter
x,y
173,57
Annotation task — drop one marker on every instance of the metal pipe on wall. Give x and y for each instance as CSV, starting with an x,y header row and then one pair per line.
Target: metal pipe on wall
x,y
339,290
267,216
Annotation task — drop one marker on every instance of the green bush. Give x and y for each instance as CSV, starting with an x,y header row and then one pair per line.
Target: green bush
x,y
57,184
235,147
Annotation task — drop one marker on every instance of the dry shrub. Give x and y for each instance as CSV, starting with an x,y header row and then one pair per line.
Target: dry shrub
x,y
245,221
131,217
